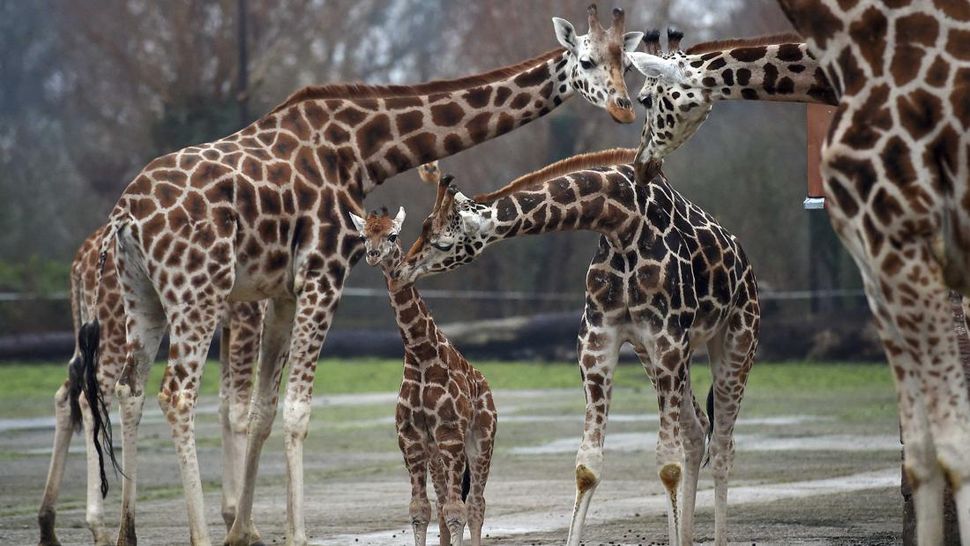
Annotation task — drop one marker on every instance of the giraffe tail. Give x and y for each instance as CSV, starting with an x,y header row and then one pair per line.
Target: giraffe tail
x,y
466,482
83,376
710,427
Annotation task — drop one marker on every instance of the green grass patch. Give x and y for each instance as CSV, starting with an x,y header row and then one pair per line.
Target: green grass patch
x,y
26,389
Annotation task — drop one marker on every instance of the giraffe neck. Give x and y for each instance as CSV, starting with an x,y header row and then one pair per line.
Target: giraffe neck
x,y
389,131
414,320
588,200
783,72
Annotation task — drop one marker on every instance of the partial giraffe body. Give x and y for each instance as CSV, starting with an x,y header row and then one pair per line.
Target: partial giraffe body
x,y
666,278
264,214
682,86
446,418
896,169
240,345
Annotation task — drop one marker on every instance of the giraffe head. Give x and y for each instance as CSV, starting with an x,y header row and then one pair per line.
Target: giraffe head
x,y
455,233
379,232
676,103
597,62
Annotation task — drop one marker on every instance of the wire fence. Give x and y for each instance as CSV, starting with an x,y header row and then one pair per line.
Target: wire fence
x,y
769,295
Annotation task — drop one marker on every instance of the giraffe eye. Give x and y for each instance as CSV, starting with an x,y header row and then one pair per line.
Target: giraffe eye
x,y
392,237
646,100
587,64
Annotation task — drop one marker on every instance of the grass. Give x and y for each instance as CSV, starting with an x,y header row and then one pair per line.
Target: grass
x,y
26,388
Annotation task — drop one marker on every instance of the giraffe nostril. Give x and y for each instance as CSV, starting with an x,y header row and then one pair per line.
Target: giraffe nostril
x,y
624,103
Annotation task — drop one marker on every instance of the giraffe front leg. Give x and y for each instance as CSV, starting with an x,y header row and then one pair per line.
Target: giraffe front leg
x,y
315,307
598,349
274,347
412,444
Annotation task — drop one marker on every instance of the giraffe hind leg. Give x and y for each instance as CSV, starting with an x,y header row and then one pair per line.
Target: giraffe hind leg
x,y
479,453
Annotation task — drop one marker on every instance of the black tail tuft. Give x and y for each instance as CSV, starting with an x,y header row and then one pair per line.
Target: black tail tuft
x,y
466,482
75,383
88,339
710,425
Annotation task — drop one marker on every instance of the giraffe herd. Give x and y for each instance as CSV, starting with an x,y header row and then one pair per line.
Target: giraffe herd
x,y
256,233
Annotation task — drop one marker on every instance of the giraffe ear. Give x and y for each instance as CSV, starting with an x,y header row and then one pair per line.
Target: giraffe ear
x,y
565,33
652,66
358,222
398,220
631,41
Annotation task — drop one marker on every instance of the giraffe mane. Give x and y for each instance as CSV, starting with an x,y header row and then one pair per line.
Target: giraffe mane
x,y
361,90
734,43
613,156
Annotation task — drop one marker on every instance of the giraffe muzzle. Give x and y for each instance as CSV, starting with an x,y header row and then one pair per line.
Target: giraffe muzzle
x,y
621,110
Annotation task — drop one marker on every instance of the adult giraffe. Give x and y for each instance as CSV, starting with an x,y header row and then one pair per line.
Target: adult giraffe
x,y
263,214
896,167
239,347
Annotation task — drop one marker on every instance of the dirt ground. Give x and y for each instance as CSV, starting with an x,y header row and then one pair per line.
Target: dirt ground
x,y
809,470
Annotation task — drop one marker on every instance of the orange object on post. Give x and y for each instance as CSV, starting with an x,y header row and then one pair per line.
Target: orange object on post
x,y
818,117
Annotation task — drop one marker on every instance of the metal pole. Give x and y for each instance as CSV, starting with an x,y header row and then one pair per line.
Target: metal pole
x,y
242,85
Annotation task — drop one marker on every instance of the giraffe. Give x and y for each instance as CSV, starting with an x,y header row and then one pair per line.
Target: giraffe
x,y
666,278
895,168
240,342
445,416
263,214
682,86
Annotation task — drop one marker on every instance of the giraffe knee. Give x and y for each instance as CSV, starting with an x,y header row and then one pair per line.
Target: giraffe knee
x,y
586,478
420,511
296,420
670,476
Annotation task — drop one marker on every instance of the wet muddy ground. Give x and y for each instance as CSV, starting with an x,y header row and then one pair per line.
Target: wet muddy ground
x,y
811,468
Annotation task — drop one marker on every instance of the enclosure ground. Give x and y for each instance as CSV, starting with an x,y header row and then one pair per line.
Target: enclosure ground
x,y
817,461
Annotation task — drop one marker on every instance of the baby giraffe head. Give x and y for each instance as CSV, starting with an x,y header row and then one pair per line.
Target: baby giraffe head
x,y
597,62
676,107
379,232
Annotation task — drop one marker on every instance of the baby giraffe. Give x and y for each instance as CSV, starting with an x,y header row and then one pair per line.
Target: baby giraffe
x,y
445,414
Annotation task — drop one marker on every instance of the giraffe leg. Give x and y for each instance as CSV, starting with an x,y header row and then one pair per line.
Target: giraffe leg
x,y
94,510
450,440
693,426
315,309
671,384
598,349
411,442
275,342
145,325
63,431
441,493
732,355
479,453
239,353
189,343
